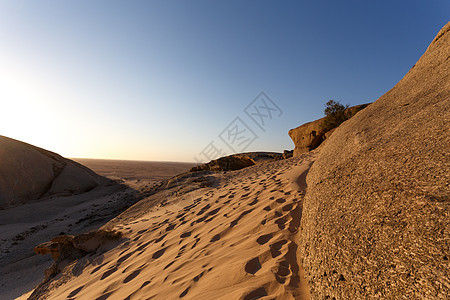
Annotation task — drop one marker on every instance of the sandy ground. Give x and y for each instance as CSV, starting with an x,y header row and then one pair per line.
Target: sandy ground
x,y
23,227
236,240
135,170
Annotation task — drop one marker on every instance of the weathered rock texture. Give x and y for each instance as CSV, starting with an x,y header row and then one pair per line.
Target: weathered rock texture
x,y
66,249
310,135
29,173
375,220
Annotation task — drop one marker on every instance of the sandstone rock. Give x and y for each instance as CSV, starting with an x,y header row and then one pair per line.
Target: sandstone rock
x,y
310,135
237,161
68,247
28,173
375,220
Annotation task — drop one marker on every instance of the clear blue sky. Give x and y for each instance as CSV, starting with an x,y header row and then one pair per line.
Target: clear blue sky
x,y
160,80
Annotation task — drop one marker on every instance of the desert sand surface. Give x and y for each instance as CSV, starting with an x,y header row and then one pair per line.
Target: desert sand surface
x,y
236,239
134,169
24,226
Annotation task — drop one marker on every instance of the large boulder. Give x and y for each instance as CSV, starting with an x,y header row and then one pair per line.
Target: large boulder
x,y
310,135
28,173
375,220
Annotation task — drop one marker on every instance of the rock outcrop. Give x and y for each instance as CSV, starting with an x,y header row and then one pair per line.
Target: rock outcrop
x,y
240,161
66,249
310,135
70,246
375,220
29,173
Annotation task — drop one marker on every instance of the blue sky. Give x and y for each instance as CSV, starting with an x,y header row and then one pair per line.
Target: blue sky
x,y
160,80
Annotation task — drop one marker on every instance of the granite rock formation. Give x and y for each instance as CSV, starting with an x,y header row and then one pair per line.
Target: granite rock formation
x,y
310,135
375,220
28,173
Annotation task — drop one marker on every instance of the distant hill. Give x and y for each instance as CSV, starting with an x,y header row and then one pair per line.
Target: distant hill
x,y
28,173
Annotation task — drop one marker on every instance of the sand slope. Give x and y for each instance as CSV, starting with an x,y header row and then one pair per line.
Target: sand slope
x,y
22,227
237,240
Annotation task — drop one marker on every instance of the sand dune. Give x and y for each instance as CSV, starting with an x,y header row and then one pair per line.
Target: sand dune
x,y
24,226
235,241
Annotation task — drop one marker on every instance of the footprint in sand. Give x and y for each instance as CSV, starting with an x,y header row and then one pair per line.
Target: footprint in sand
x,y
197,278
181,215
124,258
158,253
203,209
75,292
276,247
186,234
278,213
184,293
264,238
281,200
283,272
160,238
132,276
104,296
288,207
142,231
253,266
256,294
170,227
234,223
181,251
109,272
253,202
143,246
196,242
96,269
215,238
281,222
169,264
